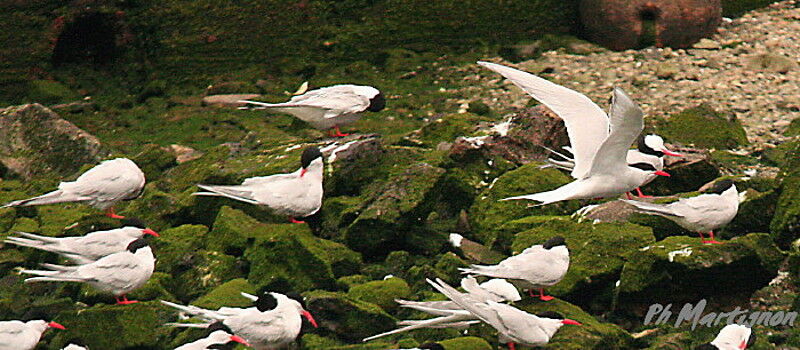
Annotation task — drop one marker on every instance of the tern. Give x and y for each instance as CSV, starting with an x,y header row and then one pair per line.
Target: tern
x,y
600,142
450,315
513,325
18,335
703,213
118,273
102,187
329,107
217,334
537,267
731,337
275,321
296,195
88,248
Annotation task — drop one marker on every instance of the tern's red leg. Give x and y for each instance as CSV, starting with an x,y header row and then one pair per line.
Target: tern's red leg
x,y
125,300
295,221
530,292
713,240
543,297
339,132
627,194
640,194
511,346
110,213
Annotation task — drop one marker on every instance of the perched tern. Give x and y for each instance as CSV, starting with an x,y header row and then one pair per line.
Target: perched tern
x,y
73,347
703,213
599,142
275,321
537,267
88,248
297,194
731,337
118,273
217,334
513,325
102,187
18,335
329,107
450,315
651,149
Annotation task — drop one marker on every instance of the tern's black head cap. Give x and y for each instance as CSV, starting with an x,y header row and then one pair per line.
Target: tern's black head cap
x,y
431,346
266,302
721,186
643,166
554,242
297,297
135,245
644,148
133,222
377,103
551,314
217,326
309,154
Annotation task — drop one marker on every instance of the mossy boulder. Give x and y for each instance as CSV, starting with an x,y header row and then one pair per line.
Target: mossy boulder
x,y
347,318
227,294
681,269
488,213
465,343
154,160
115,327
598,253
703,127
381,293
49,92
395,212
755,214
785,225
592,334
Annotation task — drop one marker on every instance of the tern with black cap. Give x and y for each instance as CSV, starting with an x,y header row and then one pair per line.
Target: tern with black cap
x,y
296,195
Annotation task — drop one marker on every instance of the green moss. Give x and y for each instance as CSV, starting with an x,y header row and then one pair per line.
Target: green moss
x,y
50,92
734,8
793,129
592,334
786,223
681,269
347,318
381,293
703,127
465,343
227,294
488,213
154,160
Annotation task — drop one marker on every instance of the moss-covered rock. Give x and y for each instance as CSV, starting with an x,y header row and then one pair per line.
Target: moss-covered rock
x,y
347,318
488,213
395,212
50,92
116,327
597,254
154,160
465,343
227,294
681,269
381,293
703,127
785,226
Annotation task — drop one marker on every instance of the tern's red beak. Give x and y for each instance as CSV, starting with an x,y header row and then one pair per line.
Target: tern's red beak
x,y
239,340
148,231
56,325
670,153
310,318
662,173
303,172
572,322
743,345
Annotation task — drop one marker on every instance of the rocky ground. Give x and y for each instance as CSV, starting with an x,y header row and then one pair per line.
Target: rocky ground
x,y
453,140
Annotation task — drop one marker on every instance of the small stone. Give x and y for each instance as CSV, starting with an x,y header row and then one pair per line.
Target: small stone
x,y
707,44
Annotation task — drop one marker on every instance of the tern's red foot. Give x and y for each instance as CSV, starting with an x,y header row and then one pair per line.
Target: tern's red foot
x,y
295,221
640,194
530,292
511,346
338,132
546,298
110,213
628,195
125,301
712,240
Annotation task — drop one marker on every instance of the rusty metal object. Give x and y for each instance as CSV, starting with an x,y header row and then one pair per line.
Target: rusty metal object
x,y
627,24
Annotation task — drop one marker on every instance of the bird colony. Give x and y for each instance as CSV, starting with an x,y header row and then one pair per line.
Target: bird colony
x,y
608,157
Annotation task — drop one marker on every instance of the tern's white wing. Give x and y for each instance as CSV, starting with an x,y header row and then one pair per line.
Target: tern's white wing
x,y
480,310
732,336
626,124
587,124
111,180
339,98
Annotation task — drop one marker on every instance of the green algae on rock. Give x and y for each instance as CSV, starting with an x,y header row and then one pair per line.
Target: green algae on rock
x,y
347,318
681,269
592,334
227,294
465,343
785,225
381,293
703,127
